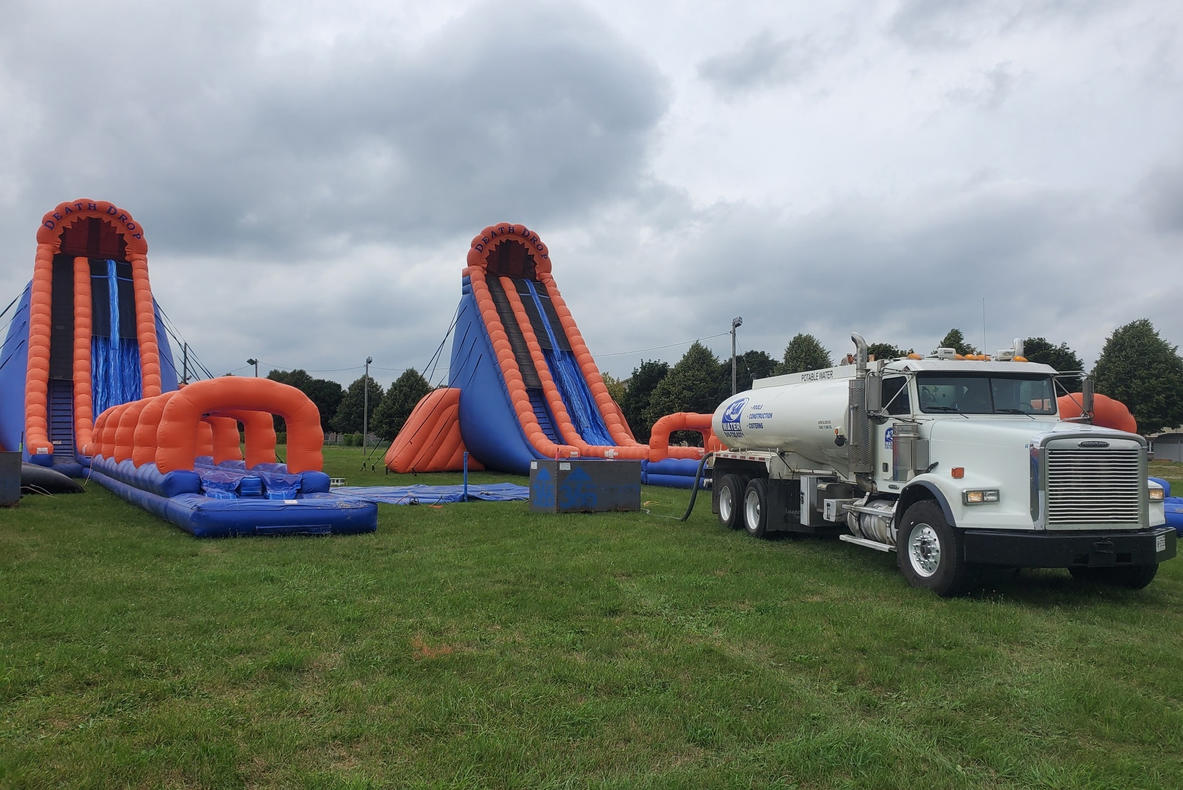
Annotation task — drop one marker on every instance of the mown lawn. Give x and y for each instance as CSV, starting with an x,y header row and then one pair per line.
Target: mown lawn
x,y
481,645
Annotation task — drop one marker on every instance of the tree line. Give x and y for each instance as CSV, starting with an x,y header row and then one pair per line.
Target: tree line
x,y
1136,366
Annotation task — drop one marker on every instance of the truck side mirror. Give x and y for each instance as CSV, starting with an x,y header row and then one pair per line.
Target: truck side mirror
x,y
1086,393
874,394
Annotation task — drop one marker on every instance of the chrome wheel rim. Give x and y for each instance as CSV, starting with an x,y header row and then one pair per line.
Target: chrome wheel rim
x,y
924,550
726,504
751,510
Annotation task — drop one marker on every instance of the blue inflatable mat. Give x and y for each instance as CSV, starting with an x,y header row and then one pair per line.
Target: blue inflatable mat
x,y
435,495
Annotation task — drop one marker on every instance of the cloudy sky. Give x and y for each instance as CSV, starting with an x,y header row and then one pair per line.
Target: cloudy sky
x,y
310,175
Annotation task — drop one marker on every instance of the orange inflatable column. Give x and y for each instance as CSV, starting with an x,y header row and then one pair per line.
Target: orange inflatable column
x,y
83,329
225,439
37,375
145,326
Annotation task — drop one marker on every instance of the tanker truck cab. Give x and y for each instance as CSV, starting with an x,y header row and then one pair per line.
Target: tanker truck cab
x,y
955,464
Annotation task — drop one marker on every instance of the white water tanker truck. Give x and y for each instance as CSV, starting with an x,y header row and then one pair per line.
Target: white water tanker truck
x,y
953,463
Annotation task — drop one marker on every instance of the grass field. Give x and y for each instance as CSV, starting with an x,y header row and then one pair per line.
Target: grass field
x,y
481,645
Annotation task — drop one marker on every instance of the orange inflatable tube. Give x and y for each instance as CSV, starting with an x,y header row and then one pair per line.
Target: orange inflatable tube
x,y
1107,412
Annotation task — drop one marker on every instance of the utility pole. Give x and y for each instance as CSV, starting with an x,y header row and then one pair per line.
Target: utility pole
x,y
735,322
365,411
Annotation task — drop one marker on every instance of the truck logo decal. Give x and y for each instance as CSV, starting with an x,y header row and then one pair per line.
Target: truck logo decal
x,y
888,436
731,418
1093,443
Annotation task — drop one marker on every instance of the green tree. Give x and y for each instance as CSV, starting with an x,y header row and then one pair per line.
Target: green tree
x,y
327,396
1143,371
692,385
322,392
348,418
398,402
637,393
886,351
956,341
804,352
1062,358
749,366
615,386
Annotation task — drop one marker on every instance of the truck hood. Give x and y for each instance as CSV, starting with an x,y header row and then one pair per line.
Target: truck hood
x,y
1008,432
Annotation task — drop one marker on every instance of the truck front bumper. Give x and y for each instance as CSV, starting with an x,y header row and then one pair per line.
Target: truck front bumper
x,y
1069,549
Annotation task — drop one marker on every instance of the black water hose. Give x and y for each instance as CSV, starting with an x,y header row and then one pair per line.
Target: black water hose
x,y
694,489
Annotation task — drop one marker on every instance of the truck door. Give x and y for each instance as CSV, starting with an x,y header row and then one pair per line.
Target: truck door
x,y
895,402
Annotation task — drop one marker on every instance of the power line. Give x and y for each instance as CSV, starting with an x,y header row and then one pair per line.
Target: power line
x,y
670,345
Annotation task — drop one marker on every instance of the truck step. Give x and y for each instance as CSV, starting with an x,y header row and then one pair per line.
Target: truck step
x,y
870,544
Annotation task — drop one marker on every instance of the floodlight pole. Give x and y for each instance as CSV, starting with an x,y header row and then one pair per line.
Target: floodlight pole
x,y
254,362
735,322
365,410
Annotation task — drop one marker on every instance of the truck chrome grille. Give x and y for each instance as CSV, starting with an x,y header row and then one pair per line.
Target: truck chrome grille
x,y
1091,486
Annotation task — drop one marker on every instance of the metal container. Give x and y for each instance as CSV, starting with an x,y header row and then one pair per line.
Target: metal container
x,y
585,485
10,478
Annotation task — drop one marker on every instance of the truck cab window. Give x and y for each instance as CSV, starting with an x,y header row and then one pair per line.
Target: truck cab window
x,y
989,394
895,395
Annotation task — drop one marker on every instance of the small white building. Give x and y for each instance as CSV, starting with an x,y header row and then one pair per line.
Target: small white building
x,y
1167,446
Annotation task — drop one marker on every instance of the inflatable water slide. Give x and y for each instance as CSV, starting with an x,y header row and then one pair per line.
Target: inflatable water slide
x,y
523,384
88,387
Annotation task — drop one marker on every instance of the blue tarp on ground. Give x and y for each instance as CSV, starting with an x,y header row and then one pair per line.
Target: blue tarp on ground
x,y
435,495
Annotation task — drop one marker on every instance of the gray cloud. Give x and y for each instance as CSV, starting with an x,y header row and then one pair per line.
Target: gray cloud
x,y
226,145
1162,198
762,61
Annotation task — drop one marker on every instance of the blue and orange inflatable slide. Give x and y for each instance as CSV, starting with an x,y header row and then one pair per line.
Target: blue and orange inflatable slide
x,y
523,385
88,388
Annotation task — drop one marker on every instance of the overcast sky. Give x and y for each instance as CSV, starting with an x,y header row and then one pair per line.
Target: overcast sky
x,y
310,175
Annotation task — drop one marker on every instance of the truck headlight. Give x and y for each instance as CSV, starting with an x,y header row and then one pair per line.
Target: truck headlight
x,y
979,496
1157,494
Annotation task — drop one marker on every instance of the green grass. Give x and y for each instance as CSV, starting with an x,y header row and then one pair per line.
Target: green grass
x,y
481,645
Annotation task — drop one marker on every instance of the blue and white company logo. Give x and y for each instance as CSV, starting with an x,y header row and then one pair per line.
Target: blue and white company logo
x,y
731,416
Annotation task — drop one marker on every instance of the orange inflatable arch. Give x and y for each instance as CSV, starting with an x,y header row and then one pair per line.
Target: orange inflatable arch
x,y
177,435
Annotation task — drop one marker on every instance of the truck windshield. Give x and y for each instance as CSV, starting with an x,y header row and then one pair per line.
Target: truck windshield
x,y
979,393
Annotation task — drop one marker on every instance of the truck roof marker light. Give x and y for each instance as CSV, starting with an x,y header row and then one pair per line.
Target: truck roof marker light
x,y
914,355
958,472
1021,359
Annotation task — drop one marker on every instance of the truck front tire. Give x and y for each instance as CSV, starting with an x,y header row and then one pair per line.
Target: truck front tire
x,y
755,507
928,551
731,501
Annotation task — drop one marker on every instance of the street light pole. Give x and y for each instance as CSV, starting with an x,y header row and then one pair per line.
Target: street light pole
x,y
254,362
365,410
735,322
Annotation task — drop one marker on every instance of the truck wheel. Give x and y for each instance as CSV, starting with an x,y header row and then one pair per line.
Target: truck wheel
x,y
1134,577
755,507
730,497
928,551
